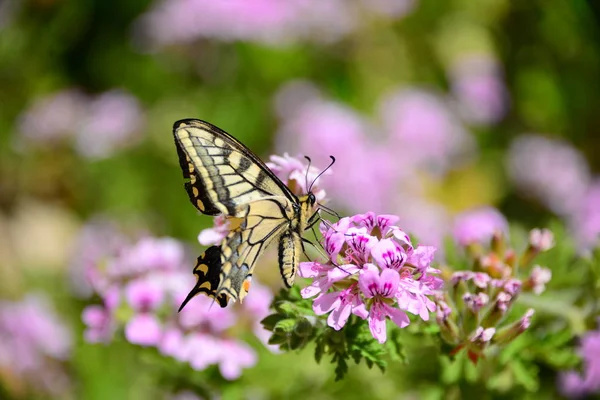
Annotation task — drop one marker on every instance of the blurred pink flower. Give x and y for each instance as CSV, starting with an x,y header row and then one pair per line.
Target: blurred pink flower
x,y
99,323
266,21
143,329
419,135
549,170
99,125
478,225
573,384
425,130
585,220
147,255
479,89
427,220
98,242
216,234
541,239
113,120
150,278
258,307
53,117
33,344
298,175
341,132
235,356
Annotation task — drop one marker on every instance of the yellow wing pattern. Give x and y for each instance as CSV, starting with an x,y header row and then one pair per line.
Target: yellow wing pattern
x,y
225,177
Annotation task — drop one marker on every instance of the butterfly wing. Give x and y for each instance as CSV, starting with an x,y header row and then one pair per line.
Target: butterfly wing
x,y
224,175
227,178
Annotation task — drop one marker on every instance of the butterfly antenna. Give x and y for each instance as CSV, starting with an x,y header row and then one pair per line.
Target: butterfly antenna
x,y
307,169
330,211
322,172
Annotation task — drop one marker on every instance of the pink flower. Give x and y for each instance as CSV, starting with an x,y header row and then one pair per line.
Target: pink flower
x,y
379,288
341,305
573,384
298,175
478,226
421,124
99,126
98,241
483,336
585,220
235,356
99,323
143,329
374,272
340,131
538,279
216,234
113,120
550,171
147,255
53,117
476,302
478,87
264,21
34,342
149,279
541,239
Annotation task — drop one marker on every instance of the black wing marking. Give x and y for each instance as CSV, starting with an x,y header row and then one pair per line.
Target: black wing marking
x,y
207,270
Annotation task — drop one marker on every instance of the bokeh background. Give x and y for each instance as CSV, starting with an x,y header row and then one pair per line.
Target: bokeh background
x,y
431,109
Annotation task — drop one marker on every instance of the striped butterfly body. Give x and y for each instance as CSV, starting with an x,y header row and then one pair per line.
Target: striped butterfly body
x,y
225,178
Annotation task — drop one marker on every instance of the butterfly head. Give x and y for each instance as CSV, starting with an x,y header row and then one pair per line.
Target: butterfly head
x,y
311,199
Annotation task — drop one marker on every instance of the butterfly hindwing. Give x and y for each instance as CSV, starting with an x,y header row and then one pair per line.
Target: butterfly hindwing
x,y
244,245
207,271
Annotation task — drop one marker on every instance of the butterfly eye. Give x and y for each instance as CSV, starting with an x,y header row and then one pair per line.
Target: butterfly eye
x,y
312,199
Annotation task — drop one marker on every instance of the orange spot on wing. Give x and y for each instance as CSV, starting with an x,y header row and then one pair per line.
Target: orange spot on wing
x,y
246,285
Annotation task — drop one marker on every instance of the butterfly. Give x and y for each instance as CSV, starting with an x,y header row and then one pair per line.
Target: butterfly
x,y
225,178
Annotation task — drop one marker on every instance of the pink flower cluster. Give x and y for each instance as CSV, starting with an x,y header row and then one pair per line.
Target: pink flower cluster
x,y
265,21
34,343
142,285
374,272
99,125
472,311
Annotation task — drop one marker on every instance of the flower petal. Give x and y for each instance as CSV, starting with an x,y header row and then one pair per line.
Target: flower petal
x,y
368,282
326,302
143,329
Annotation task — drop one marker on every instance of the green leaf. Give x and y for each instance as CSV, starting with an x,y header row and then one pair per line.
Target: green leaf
x,y
285,325
303,327
270,321
341,368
